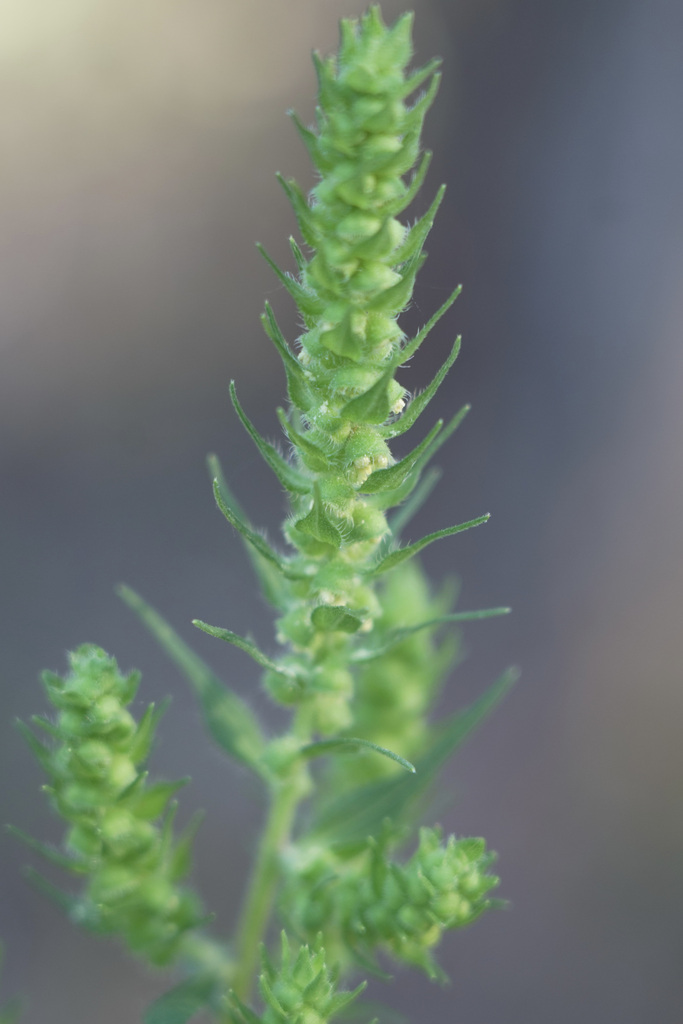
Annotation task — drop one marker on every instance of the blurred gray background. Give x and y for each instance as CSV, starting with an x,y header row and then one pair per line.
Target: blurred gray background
x,y
140,142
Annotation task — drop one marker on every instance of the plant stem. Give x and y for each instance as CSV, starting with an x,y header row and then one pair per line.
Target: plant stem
x,y
259,901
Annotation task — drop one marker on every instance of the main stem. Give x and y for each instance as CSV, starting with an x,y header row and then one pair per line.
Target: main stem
x,y
259,902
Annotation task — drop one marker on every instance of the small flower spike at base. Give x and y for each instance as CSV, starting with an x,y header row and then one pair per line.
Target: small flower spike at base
x,y
302,990
120,838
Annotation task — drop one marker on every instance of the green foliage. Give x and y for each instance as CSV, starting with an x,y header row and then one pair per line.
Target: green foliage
x,y
363,647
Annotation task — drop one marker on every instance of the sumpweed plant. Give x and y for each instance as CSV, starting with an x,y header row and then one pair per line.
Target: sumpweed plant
x,y
363,645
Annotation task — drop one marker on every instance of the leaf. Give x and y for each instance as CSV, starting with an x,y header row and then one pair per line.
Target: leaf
x,y
181,856
350,744
144,734
412,506
394,299
297,377
310,140
313,456
392,208
76,909
244,645
302,211
299,257
47,726
423,103
255,539
395,558
318,525
290,478
416,236
79,867
180,1004
42,753
306,301
246,1016
331,617
270,578
360,813
229,720
397,636
394,476
149,803
418,77
420,402
449,429
374,406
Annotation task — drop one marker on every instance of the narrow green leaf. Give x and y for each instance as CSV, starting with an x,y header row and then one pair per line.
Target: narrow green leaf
x,y
374,405
128,691
310,141
416,183
299,258
394,476
46,726
360,813
331,617
271,579
298,386
423,103
181,856
75,908
411,347
397,636
228,718
244,645
393,300
79,867
445,434
418,77
180,1004
318,525
150,803
133,788
42,753
246,1016
420,402
313,456
417,235
309,304
351,744
167,830
144,734
413,504
255,539
302,211
395,558
290,478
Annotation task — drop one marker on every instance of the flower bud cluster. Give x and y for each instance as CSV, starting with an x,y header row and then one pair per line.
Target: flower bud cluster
x,y
116,838
374,904
395,692
301,990
352,283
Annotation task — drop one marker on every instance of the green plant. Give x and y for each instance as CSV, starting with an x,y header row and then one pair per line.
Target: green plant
x,y
362,660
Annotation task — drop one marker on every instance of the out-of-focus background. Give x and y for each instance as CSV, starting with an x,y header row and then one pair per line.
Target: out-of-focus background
x,y
139,146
